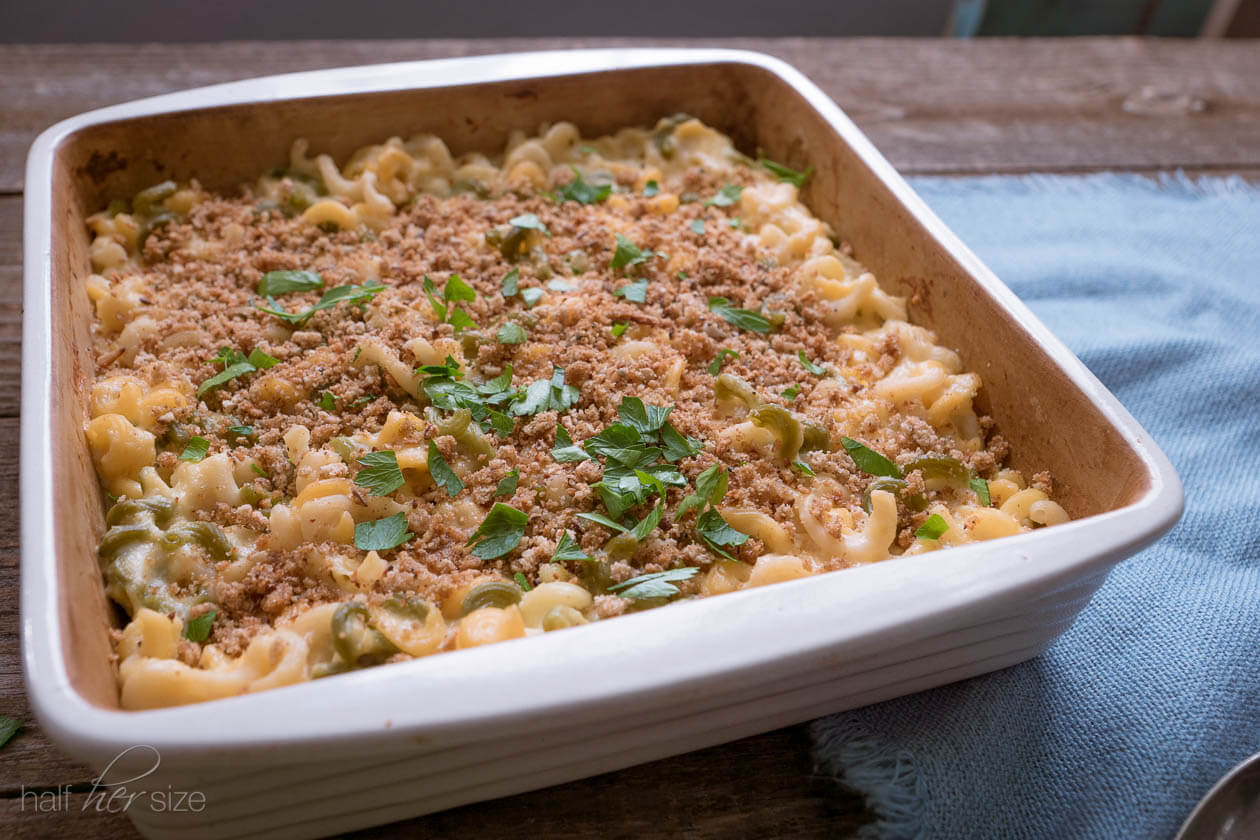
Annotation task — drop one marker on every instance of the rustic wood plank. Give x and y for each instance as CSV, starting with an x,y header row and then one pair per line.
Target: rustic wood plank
x,y
10,308
992,105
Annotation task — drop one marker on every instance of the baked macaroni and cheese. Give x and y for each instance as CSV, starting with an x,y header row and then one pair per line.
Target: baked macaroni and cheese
x,y
419,403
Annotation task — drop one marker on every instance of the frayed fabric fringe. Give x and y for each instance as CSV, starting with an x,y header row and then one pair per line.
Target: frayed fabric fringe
x,y
886,776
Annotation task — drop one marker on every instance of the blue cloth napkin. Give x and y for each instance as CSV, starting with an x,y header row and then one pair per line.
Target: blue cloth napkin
x,y
1154,692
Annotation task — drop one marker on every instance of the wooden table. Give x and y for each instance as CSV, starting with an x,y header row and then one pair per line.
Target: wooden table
x,y
933,107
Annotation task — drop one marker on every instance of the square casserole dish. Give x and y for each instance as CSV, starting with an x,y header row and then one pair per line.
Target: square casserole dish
x,y
394,742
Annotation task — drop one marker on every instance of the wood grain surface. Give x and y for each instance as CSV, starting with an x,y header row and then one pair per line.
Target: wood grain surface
x,y
933,107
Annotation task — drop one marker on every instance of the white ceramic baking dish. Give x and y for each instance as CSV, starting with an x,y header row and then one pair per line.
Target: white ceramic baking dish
x,y
398,741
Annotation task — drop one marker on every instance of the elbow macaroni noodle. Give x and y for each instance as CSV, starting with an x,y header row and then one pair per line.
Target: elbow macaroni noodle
x,y
182,528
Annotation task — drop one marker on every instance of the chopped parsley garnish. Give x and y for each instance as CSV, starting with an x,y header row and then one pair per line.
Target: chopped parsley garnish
x,y
529,221
358,295
8,728
635,292
382,534
234,434
642,417
580,191
511,333
327,401
283,282
981,487
697,226
655,584
546,395
455,290
648,524
678,445
567,550
522,581
745,319
364,400
803,468
784,174
790,393
734,222
559,285
258,470
235,364
605,521
717,533
932,528
629,255
261,360
711,486
715,366
499,533
442,473
618,329
507,485
511,283
868,460
195,450
726,196
651,188
198,629
381,474
531,297
565,451
816,369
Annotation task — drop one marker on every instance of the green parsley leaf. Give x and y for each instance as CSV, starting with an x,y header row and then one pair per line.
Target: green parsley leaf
x,y
635,292
715,366
745,319
511,333
261,360
461,320
717,533
620,441
8,728
559,285
501,423
430,291
195,450
359,295
817,370
382,534
932,528
546,395
567,550
803,468
789,176
457,289
678,445
641,416
711,486
522,581
628,254
565,452
198,629
697,226
651,188
868,460
981,487
283,282
654,585
604,520
581,192
258,469
499,533
511,283
235,433
648,524
726,196
381,474
734,222
507,485
327,401
618,329
442,472
791,392
225,376
529,221
531,297
364,400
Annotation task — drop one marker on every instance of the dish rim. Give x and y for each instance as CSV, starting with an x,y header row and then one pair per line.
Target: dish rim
x,y
366,710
